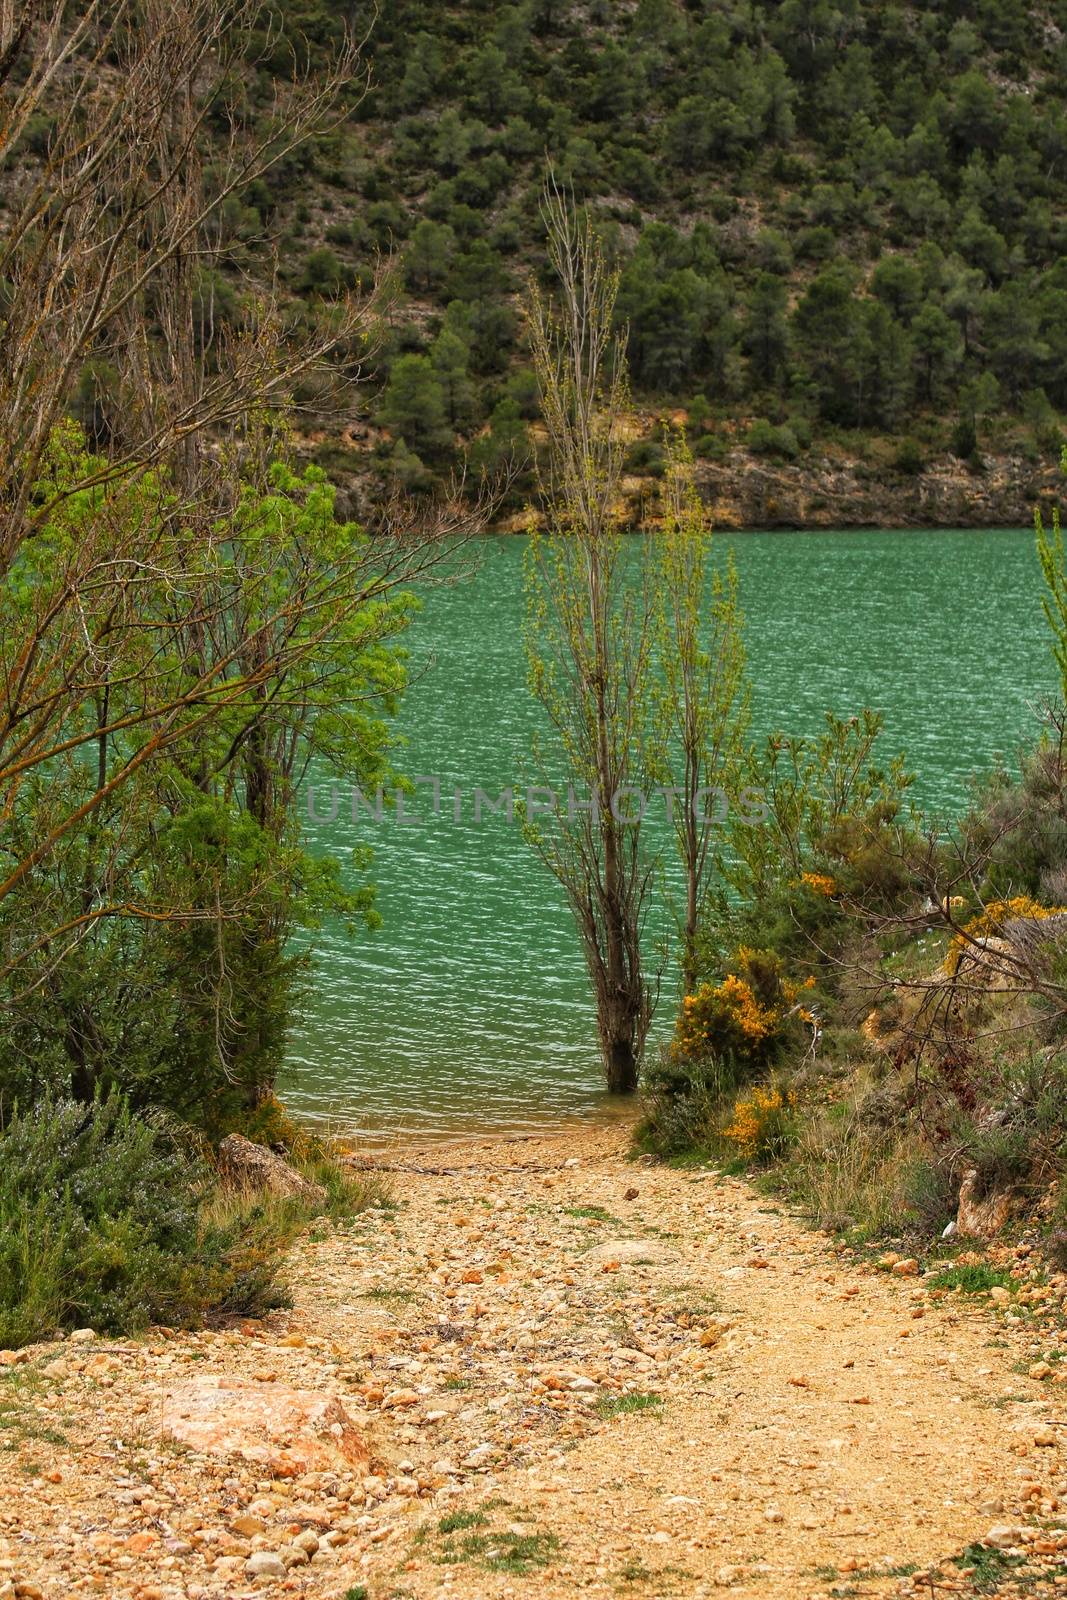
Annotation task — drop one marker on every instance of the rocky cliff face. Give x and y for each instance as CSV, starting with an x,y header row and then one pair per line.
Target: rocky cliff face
x,y
823,493
819,491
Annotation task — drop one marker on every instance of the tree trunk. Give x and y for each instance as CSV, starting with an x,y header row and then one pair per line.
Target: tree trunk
x,y
620,1065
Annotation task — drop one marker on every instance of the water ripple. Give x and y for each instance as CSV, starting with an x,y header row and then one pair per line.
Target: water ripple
x,y
469,1008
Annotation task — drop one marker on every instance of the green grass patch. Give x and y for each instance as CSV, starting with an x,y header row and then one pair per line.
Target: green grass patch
x,y
688,1160
621,1405
974,1279
634,1572
590,1214
18,1421
991,1567
514,1553
456,1521
665,1578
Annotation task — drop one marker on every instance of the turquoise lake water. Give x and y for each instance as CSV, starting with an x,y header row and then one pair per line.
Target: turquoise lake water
x,y
469,1009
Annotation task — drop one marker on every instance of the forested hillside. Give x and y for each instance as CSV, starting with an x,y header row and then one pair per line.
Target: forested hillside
x,y
839,225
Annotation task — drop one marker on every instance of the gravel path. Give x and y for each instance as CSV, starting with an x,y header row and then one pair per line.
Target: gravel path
x,y
577,1375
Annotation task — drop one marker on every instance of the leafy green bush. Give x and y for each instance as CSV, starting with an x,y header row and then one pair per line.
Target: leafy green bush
x,y
646,456
98,1222
763,1127
929,1194
682,1101
749,1017
111,1221
324,274
909,458
1019,827
765,439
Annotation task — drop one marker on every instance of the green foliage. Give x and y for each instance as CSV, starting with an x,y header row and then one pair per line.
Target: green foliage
x,y
828,844
834,826
1017,826
414,406
928,1192
881,193
909,458
988,1569
745,1019
1051,557
765,439
625,1405
324,274
456,1521
112,1220
98,1222
682,1100
702,698
185,880
973,1279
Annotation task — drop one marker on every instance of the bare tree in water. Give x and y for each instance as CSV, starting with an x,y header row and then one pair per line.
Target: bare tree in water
x,y
591,633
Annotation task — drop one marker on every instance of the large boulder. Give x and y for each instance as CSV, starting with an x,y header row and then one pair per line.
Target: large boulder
x,y
285,1431
253,1166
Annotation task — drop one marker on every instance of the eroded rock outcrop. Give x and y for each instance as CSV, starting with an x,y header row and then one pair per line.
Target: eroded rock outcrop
x,y
982,1213
254,1166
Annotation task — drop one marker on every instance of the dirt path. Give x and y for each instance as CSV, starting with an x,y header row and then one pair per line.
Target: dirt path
x,y
581,1376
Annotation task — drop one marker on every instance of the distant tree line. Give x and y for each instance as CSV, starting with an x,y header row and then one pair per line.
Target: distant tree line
x,y
826,215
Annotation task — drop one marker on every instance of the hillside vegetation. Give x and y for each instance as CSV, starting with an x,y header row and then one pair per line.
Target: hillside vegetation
x,y
838,227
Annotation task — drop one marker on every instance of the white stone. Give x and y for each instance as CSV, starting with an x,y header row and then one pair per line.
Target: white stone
x,y
265,1564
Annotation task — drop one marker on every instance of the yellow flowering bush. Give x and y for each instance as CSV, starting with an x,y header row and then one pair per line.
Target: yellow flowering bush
x,y
743,1016
763,1123
724,1019
819,883
991,922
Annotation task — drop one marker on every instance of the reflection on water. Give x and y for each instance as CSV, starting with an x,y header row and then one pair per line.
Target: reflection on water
x,y
469,1008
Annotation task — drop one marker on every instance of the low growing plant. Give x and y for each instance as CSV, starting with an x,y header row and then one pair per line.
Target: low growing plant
x,y
99,1222
113,1220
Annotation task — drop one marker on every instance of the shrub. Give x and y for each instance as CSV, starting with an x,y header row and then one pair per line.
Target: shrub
x,y
816,244
763,1126
682,1101
324,274
746,1017
646,456
98,1222
992,920
929,1194
1019,826
725,1019
765,439
831,813
699,413
109,1220
964,441
1055,1245
909,458
845,1172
